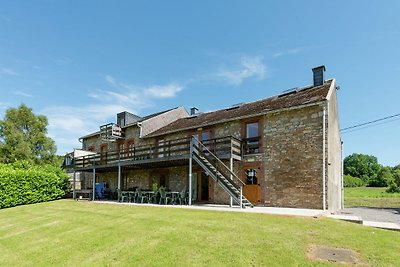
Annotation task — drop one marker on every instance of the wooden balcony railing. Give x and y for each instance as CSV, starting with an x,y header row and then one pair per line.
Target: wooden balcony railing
x,y
226,146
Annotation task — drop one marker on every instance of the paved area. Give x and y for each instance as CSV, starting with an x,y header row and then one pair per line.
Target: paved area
x,y
380,218
373,214
266,210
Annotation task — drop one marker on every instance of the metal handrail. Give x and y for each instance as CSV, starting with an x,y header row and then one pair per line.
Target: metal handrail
x,y
214,156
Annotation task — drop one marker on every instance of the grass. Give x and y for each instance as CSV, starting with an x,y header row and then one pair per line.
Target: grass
x,y
69,233
371,197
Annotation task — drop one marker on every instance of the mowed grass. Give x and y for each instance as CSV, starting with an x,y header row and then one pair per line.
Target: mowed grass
x,y
371,197
70,233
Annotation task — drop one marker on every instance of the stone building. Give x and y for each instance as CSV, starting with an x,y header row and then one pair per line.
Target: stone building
x,y
281,151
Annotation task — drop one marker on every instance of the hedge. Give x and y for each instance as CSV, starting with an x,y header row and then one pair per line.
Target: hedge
x,y
22,183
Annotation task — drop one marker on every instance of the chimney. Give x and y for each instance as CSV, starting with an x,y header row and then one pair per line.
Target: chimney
x,y
318,75
193,111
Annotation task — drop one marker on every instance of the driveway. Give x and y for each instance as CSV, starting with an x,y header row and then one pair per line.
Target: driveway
x,y
373,214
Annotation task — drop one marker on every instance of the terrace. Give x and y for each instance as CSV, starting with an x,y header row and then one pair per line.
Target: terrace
x,y
169,153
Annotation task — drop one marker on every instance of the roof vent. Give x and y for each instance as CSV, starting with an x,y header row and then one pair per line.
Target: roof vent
x,y
193,111
318,75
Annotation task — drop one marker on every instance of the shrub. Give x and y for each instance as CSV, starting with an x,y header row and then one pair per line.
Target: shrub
x,y
22,183
382,179
393,187
350,181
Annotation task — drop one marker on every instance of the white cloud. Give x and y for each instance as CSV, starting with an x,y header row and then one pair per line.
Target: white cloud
x,y
7,71
20,93
286,52
249,67
166,91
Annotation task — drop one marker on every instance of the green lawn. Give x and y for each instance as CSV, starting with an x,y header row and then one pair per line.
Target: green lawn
x,y
70,233
371,197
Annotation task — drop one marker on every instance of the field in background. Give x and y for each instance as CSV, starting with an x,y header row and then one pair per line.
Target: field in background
x,y
72,233
370,197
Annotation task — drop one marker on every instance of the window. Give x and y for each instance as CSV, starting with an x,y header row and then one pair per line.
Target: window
x,y
252,139
251,176
121,149
91,148
160,180
161,145
130,144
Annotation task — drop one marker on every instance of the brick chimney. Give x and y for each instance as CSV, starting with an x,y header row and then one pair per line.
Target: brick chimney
x,y
318,75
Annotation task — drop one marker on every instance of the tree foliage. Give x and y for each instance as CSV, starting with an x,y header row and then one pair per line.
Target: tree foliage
x,y
365,167
23,136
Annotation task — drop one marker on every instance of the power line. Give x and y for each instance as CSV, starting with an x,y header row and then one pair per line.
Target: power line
x,y
370,122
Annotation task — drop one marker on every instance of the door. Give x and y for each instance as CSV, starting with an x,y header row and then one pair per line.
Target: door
x,y
251,177
204,187
103,153
204,138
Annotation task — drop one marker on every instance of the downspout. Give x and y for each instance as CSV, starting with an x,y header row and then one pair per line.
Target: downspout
x,y
139,124
323,157
341,175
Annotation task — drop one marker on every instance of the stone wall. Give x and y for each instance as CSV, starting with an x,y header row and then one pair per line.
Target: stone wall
x,y
293,158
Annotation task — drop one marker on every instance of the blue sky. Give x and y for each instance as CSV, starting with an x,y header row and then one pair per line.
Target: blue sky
x,y
81,62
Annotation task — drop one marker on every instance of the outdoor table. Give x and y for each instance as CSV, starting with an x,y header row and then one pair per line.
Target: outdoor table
x,y
174,195
149,195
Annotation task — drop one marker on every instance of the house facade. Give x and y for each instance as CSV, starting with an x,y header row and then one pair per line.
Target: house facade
x,y
281,151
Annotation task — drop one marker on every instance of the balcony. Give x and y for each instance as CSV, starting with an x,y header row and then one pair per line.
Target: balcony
x,y
169,153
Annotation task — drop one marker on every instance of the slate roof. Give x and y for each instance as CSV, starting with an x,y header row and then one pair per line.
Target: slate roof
x,y
293,98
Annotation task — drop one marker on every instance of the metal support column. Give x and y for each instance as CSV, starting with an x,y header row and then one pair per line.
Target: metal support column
x,y
94,184
119,176
190,171
74,187
241,197
231,168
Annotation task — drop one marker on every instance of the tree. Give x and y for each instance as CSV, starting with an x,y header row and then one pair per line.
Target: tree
x,y
362,166
23,136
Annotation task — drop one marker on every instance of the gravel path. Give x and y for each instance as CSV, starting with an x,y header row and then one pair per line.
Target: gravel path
x,y
373,214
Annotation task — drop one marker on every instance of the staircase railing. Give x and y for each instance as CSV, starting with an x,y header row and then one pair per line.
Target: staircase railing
x,y
201,149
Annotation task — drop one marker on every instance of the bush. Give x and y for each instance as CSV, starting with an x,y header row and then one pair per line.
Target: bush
x,y
22,183
350,181
393,187
383,178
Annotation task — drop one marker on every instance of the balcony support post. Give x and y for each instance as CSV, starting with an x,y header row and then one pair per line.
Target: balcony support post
x,y
119,175
231,168
190,171
74,187
94,184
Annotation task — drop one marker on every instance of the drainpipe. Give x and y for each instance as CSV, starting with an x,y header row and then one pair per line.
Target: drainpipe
x,y
139,124
341,175
323,158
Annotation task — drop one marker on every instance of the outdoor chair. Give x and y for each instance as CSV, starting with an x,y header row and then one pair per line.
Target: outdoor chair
x,y
122,196
140,196
163,197
182,197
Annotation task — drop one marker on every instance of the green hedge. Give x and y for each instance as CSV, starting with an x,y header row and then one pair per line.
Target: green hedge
x,y
22,183
350,181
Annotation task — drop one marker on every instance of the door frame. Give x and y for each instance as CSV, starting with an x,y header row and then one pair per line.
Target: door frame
x,y
258,166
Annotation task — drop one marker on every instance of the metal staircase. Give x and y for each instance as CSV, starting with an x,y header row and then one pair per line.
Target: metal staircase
x,y
215,168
